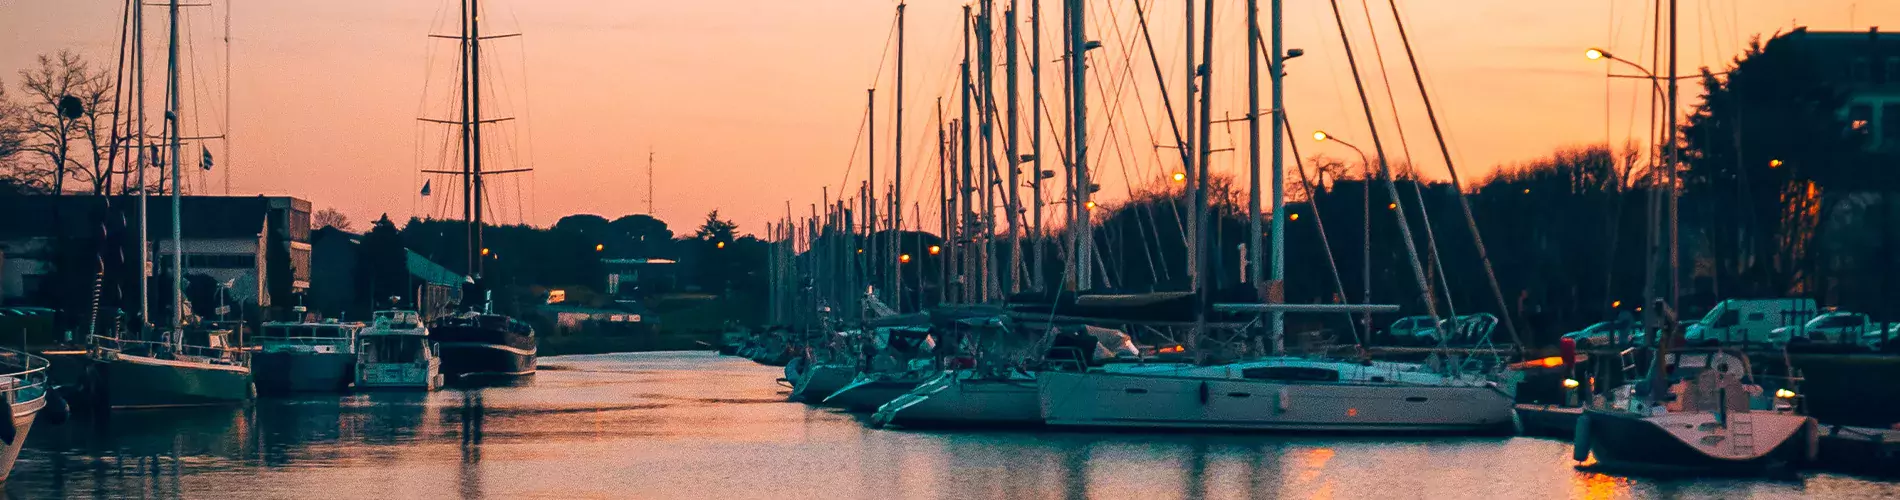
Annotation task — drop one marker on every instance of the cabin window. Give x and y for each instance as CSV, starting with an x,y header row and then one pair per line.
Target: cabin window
x,y
1890,122
1291,373
1893,70
1728,318
1757,316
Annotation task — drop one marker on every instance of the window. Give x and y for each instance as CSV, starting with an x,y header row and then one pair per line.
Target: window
x,y
1893,70
31,284
1858,71
1757,316
1291,373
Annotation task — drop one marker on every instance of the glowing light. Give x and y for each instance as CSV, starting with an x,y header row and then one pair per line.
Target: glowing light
x,y
1527,190
1178,177
1352,412
1320,136
1550,362
599,247
484,251
1784,394
934,249
1293,217
1171,349
1595,54
1090,205
1616,304
1775,163
860,250
1571,383
904,258
1392,206
721,244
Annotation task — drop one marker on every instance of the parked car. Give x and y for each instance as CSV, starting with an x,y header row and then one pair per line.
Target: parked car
x,y
1736,321
1834,327
1607,333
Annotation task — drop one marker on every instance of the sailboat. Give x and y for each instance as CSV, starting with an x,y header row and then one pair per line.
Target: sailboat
x,y
478,343
1692,412
186,366
24,382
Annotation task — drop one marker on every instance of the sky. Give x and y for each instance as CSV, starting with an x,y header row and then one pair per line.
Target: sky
x,y
756,107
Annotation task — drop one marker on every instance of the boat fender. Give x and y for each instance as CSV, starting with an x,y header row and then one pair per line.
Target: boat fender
x,y
1203,392
57,411
1580,444
1285,400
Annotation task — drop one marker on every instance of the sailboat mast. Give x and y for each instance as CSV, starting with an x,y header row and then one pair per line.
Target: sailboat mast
x,y
1658,379
468,172
1014,159
943,208
1202,230
897,175
145,238
1193,180
1035,141
1079,145
172,136
1255,250
1278,272
475,125
964,192
870,185
650,182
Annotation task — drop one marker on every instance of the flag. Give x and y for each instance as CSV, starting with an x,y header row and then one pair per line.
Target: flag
x,y
206,164
425,188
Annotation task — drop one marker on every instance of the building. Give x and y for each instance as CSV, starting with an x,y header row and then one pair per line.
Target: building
x,y
1864,64
630,280
334,273
235,241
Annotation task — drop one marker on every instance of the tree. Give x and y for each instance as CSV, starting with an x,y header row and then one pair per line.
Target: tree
x,y
1764,149
330,217
715,229
644,236
382,266
53,133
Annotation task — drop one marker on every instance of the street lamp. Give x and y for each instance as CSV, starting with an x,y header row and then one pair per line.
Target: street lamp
x,y
1599,54
1366,243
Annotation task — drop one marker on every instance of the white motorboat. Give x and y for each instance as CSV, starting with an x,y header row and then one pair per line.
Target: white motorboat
x,y
1277,394
395,353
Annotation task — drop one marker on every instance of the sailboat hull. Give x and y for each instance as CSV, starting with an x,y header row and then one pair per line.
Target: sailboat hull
x,y
23,416
821,381
126,381
1691,443
868,396
1134,400
957,401
290,372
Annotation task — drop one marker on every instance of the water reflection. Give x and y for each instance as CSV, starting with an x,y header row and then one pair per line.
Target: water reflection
x,y
697,426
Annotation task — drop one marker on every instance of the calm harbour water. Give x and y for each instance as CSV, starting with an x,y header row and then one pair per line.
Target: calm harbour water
x,y
694,425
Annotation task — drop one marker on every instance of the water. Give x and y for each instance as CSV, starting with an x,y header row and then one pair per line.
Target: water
x,y
691,425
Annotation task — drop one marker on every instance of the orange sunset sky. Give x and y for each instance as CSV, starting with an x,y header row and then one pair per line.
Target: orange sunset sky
x,y
749,104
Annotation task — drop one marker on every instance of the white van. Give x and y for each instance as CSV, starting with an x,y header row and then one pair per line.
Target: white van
x,y
1736,321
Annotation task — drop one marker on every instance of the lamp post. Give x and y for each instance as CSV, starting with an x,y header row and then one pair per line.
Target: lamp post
x,y
1366,243
1599,54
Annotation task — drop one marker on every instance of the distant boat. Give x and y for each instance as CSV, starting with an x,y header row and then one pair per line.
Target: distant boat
x,y
305,357
26,387
484,346
395,353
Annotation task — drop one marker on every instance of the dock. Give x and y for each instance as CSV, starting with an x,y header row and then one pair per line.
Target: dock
x,y
1860,450
1551,421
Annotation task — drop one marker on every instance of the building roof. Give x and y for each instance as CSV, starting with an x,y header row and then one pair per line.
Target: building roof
x,y
205,217
427,270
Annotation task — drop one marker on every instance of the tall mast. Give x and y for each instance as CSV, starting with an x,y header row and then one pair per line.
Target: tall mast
x,y
1035,141
475,126
870,186
650,182
145,238
1658,380
468,172
1202,227
943,208
968,252
1078,70
172,137
897,176
1014,159
986,43
1193,179
1278,327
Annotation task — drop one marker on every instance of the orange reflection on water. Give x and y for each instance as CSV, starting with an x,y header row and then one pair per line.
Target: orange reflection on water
x,y
1595,486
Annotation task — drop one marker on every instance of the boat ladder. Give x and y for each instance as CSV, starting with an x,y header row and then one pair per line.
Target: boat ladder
x,y
1741,429
1628,359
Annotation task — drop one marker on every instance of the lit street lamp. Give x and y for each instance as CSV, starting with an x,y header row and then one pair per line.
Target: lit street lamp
x,y
1598,54
1366,244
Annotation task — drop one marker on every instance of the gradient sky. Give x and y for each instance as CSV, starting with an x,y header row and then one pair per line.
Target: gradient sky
x,y
751,104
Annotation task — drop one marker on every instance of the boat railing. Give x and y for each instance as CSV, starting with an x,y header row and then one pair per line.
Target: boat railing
x,y
103,345
303,340
25,377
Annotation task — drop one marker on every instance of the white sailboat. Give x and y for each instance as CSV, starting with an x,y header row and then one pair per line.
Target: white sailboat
x,y
26,388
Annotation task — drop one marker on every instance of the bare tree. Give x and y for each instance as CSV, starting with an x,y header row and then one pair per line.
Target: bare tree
x,y
330,217
51,133
12,141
